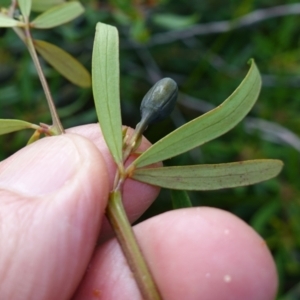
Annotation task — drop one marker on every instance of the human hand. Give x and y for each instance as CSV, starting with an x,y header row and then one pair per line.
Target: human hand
x,y
53,198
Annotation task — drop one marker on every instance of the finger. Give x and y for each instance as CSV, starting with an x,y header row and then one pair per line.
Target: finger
x,y
51,212
197,253
137,196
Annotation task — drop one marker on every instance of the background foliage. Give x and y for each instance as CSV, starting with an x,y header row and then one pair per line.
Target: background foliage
x,y
204,46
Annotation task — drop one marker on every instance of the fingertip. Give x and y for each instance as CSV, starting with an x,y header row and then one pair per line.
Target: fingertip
x,y
208,253
52,227
197,253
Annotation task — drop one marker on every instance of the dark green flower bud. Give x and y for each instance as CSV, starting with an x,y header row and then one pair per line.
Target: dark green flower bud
x,y
159,102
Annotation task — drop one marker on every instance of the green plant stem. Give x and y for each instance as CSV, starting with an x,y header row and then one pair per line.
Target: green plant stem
x,y
134,140
119,221
57,126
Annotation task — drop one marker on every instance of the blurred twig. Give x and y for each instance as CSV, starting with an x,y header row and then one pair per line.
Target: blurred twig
x,y
275,80
150,64
272,132
250,19
217,62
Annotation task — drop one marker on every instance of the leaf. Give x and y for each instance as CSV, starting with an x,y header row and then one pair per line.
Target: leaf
x,y
105,82
6,21
58,15
25,7
9,125
173,21
208,126
42,5
64,63
264,215
180,199
210,177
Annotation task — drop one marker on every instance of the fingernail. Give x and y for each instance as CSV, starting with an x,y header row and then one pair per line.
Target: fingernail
x,y
40,168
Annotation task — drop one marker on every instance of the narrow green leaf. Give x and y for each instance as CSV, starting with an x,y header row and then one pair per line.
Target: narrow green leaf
x,y
64,63
6,21
9,125
173,21
208,126
25,7
105,82
210,177
58,15
180,199
43,5
264,215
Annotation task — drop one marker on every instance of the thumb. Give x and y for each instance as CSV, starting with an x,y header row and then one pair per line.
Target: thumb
x,y
53,195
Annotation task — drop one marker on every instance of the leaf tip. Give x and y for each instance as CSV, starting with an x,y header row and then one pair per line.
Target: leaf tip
x,y
280,165
250,61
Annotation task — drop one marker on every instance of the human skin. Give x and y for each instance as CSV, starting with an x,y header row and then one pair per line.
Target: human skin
x,y
53,197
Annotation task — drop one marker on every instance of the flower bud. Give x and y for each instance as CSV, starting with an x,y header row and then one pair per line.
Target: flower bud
x,y
159,102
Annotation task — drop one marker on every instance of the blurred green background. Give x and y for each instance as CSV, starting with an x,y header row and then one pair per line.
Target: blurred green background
x,y
204,46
